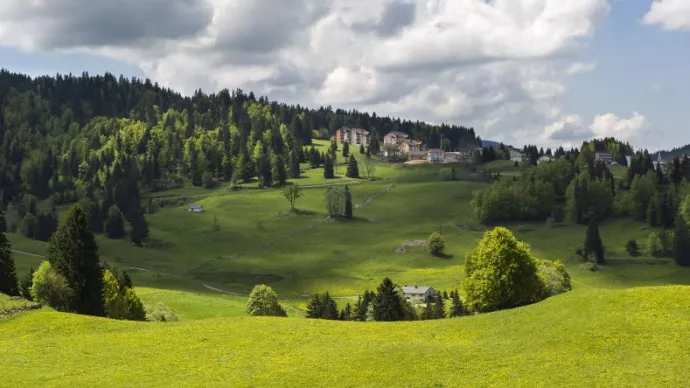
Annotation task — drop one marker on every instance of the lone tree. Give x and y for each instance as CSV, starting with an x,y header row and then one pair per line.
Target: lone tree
x,y
501,273
348,203
328,168
346,149
8,273
388,304
292,193
51,288
593,245
73,253
682,242
335,201
263,301
632,248
352,169
435,244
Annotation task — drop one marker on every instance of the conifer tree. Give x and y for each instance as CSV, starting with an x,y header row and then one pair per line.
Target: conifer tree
x,y
439,307
315,307
74,254
133,306
278,170
682,242
428,312
346,149
334,148
346,313
25,284
113,299
264,172
114,225
593,244
361,149
352,169
294,164
387,302
456,308
328,168
8,273
330,308
313,157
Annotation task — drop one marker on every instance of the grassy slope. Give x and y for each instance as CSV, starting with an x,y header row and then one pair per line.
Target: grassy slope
x,y
636,337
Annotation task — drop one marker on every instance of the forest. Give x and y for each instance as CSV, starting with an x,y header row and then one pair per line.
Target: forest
x,y
103,140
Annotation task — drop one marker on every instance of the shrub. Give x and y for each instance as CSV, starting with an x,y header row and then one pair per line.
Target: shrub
x,y
556,279
160,313
501,273
50,288
632,248
263,301
25,284
435,244
655,246
112,297
27,228
589,267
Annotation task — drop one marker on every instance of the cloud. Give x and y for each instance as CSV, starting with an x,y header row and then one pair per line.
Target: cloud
x,y
48,25
580,67
669,14
610,125
498,66
572,129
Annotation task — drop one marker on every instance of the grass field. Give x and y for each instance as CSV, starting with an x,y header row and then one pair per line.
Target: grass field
x,y
624,325
623,338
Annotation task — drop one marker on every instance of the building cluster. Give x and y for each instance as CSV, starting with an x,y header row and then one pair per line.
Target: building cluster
x,y
400,144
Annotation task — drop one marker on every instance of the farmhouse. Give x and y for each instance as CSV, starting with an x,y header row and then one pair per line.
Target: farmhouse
x,y
603,157
195,209
352,136
407,146
419,294
516,156
545,158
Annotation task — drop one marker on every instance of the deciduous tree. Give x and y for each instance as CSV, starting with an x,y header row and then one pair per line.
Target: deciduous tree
x,y
263,301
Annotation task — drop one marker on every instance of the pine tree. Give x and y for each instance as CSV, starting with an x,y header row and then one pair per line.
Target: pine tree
x,y
439,307
334,148
428,312
313,157
74,254
8,273
126,280
328,168
294,164
593,244
346,313
264,172
113,299
278,170
114,225
682,242
346,149
361,149
652,212
348,203
330,308
25,284
315,307
133,307
388,302
352,169
456,308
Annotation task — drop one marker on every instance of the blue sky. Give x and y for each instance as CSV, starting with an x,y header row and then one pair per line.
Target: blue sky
x,y
500,67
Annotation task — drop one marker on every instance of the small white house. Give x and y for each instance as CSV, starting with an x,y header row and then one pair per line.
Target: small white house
x,y
195,209
516,156
435,155
419,294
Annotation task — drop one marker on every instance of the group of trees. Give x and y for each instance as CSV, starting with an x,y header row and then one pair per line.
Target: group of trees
x,y
101,137
72,278
387,303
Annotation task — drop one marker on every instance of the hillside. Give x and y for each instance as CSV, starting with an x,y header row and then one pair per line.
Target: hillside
x,y
626,338
680,151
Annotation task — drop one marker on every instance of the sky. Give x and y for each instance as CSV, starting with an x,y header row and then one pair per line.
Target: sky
x,y
545,72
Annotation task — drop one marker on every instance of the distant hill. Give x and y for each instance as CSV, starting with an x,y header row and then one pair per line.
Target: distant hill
x,y
675,152
490,143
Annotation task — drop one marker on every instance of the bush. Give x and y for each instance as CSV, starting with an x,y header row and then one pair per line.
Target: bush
x,y
655,247
160,313
632,248
435,244
501,273
50,288
263,301
556,279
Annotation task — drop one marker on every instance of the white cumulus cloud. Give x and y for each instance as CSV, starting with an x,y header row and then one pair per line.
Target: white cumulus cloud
x,y
669,14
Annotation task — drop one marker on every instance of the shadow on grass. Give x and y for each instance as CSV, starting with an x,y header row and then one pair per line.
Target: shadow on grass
x,y
444,256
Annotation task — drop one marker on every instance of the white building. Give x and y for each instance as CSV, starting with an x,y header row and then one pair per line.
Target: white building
x,y
418,294
516,156
195,209
352,136
435,155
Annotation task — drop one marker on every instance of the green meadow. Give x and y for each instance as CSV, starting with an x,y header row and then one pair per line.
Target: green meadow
x,y
626,324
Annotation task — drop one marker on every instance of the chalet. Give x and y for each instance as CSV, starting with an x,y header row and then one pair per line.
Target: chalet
x,y
195,209
418,294
435,155
603,157
408,146
395,138
416,155
352,136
